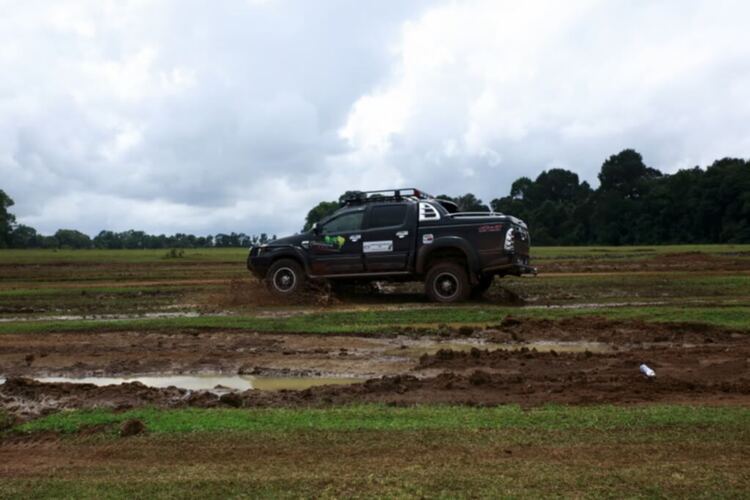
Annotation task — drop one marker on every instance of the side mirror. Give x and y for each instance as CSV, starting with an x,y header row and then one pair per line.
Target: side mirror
x,y
315,228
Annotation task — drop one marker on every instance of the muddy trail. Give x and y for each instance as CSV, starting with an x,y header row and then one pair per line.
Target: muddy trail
x,y
524,361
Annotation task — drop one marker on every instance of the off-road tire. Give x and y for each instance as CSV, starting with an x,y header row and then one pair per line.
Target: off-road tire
x,y
447,282
485,282
285,278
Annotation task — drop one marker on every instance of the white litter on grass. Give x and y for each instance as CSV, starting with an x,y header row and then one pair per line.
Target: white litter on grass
x,y
648,372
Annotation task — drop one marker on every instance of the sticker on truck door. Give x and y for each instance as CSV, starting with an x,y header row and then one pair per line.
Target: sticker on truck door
x,y
377,246
329,243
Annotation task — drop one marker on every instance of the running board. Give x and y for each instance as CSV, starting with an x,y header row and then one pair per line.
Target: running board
x,y
360,275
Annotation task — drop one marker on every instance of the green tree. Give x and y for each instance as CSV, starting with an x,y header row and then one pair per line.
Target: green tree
x,y
551,205
320,212
626,174
7,219
49,242
24,237
522,189
467,203
71,238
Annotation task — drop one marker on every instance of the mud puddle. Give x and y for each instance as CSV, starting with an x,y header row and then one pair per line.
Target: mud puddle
x,y
214,383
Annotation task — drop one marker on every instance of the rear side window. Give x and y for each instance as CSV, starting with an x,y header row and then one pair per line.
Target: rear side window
x,y
387,215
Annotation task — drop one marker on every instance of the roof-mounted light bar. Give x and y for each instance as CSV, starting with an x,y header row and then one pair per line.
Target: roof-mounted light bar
x,y
360,197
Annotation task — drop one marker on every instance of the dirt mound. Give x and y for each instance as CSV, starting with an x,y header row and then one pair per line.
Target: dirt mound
x,y
482,387
26,397
599,329
131,427
474,378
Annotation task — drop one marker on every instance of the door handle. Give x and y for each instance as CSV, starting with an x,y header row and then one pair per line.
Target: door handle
x,y
402,234
355,238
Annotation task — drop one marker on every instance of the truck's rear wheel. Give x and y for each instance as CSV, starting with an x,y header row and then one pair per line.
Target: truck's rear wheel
x,y
285,278
447,282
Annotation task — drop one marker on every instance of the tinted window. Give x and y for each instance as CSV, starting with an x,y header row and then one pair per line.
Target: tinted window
x,y
387,215
347,222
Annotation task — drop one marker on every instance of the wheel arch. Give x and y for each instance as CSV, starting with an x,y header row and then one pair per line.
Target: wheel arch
x,y
447,247
288,252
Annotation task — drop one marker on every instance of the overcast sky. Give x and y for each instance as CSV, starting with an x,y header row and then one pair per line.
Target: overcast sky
x,y
217,116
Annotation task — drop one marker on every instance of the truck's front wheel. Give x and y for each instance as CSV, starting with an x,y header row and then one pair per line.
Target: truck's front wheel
x,y
447,282
285,278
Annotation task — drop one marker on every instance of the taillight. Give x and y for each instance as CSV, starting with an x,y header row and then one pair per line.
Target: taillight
x,y
510,244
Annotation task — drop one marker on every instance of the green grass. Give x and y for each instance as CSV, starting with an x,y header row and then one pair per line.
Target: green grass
x,y
239,254
386,452
382,418
687,453
37,256
380,321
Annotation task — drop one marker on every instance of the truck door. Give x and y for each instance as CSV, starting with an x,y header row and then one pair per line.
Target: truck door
x,y
336,247
388,237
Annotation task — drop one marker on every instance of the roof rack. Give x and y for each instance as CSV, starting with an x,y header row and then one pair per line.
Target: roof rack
x,y
360,197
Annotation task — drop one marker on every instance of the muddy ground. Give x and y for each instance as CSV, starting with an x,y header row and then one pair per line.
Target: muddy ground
x,y
668,262
525,361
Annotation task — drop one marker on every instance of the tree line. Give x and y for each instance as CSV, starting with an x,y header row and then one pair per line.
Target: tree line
x,y
634,204
14,235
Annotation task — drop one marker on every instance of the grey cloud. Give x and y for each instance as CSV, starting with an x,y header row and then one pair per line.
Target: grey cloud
x,y
185,104
240,115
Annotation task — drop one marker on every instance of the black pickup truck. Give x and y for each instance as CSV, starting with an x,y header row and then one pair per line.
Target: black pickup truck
x,y
399,235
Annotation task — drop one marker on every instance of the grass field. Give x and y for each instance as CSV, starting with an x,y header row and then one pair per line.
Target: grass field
x,y
376,451
439,433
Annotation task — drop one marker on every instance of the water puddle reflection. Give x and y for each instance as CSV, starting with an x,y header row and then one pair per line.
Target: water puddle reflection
x,y
214,383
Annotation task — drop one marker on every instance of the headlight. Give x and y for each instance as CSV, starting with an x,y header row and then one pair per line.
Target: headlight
x,y
510,244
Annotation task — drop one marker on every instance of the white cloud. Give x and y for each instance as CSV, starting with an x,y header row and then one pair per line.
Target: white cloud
x,y
512,87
